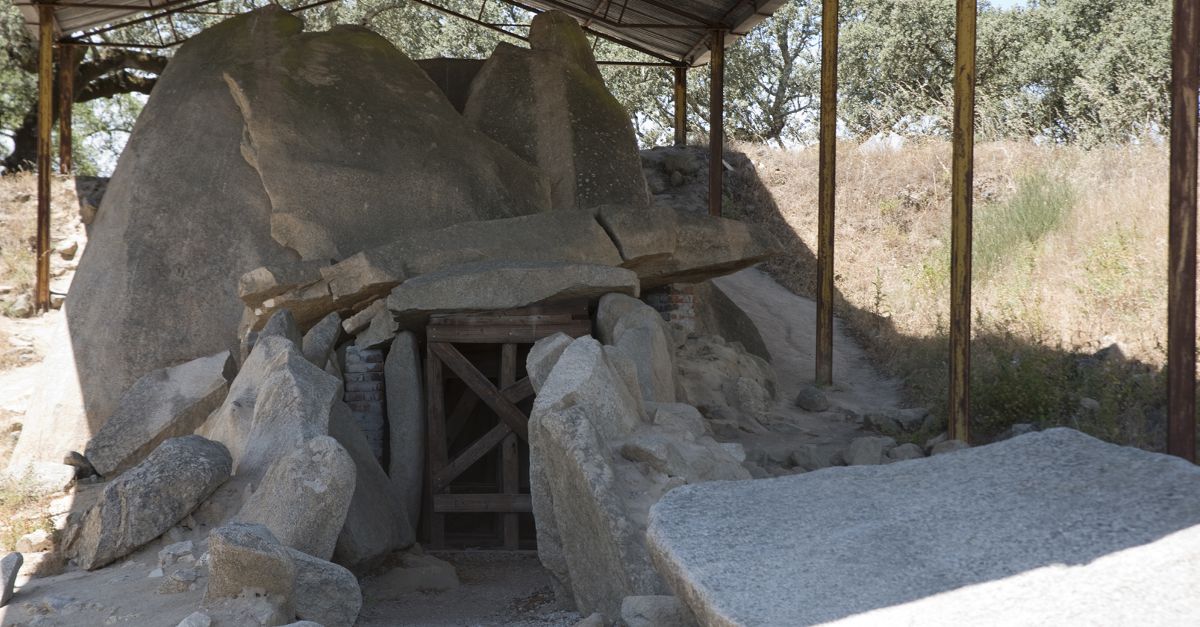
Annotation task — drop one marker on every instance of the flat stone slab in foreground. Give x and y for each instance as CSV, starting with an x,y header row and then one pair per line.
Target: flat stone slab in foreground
x,y
1052,528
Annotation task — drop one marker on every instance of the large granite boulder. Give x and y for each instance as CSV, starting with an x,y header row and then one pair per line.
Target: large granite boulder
x,y
591,484
246,560
304,496
269,168
163,404
278,401
324,592
1050,528
548,104
150,498
639,331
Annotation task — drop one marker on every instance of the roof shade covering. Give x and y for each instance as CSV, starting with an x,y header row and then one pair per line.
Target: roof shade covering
x,y
670,31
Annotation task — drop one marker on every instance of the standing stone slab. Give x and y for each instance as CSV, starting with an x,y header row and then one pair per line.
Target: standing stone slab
x,y
1052,528
319,341
549,105
325,593
304,496
150,498
497,285
405,390
9,567
377,523
639,332
162,404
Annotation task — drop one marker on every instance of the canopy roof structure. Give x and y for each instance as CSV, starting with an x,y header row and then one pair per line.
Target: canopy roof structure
x,y
673,32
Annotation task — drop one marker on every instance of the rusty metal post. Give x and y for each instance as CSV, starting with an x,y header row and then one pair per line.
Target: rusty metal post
x,y
826,191
1181,287
716,123
66,98
680,106
961,189
44,122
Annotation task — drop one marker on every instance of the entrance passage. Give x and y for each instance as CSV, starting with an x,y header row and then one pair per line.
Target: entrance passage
x,y
477,469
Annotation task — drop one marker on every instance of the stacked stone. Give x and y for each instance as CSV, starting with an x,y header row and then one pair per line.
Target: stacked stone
x,y
364,394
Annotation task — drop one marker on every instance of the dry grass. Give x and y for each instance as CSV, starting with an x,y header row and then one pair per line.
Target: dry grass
x,y
1070,249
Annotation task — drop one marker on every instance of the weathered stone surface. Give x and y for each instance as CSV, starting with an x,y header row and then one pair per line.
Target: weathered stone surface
x,y
196,619
905,451
453,77
304,495
405,390
303,157
867,450
500,285
642,234
245,557
718,314
324,592
812,398
9,566
707,247
655,611
150,498
572,236
813,456
414,572
543,356
319,341
283,324
641,334
260,284
277,401
732,388
46,476
587,500
377,523
379,333
1061,529
596,619
191,207
949,446
548,104
162,404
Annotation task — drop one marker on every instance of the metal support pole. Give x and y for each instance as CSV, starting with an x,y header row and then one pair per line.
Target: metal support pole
x,y
45,121
680,106
1181,288
962,177
66,98
826,191
716,123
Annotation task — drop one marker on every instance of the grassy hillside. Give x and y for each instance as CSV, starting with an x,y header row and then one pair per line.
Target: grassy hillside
x,y
1070,258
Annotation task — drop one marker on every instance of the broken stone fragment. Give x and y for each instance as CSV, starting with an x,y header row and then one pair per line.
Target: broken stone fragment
x,y
303,497
543,356
324,592
904,452
867,450
707,247
656,611
266,282
150,498
643,235
812,398
320,340
638,331
162,404
499,285
245,559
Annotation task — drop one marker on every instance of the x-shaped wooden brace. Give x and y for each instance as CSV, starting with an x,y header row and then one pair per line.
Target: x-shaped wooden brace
x,y
502,401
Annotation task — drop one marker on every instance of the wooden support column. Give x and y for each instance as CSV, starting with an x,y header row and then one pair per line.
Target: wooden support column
x,y
66,98
510,468
716,123
961,190
44,122
1181,288
826,191
680,106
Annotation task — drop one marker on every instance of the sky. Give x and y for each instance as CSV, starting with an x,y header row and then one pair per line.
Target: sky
x,y
1007,4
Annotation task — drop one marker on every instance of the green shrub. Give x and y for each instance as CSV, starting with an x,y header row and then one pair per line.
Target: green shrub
x,y
1005,229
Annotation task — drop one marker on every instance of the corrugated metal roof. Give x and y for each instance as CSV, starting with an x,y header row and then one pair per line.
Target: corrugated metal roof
x,y
674,31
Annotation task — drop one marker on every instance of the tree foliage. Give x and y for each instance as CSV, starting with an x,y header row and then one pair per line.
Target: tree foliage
x,y
1089,71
